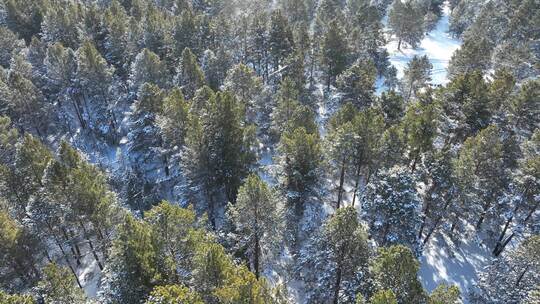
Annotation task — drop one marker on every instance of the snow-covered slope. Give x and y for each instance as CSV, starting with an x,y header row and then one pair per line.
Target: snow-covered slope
x,y
438,45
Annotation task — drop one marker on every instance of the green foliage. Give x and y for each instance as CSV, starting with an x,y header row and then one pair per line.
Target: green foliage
x,y
406,23
301,153
395,268
358,83
445,294
58,286
6,298
334,52
383,297
173,294
257,219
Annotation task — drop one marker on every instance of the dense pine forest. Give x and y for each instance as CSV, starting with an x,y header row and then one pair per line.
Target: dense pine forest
x,y
269,151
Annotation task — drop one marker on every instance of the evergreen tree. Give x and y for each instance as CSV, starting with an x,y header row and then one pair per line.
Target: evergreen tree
x,y
480,174
406,23
383,297
393,107
58,286
19,255
190,76
256,217
391,206
334,52
218,150
465,106
395,268
280,38
474,55
417,75
171,294
512,277
419,126
357,83
347,242
11,44
368,125
445,294
15,298
132,267
147,67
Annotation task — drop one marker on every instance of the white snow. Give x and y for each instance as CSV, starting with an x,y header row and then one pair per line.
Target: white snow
x,y
438,45
444,262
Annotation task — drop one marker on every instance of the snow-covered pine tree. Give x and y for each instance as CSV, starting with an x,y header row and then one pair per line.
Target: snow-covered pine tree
x,y
391,207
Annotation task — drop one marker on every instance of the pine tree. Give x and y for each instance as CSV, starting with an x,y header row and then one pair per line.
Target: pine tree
x,y
417,75
94,78
511,278
132,267
357,83
247,88
526,179
393,107
406,23
58,286
218,150
300,158
445,294
256,217
395,268
419,126
280,38
391,207
19,254
347,242
11,44
523,108
340,144
171,294
383,297
473,55
147,67
334,52
465,101
15,298
190,76
480,174
368,125
173,123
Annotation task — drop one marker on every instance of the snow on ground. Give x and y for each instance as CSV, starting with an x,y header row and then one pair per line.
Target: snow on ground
x,y
438,45
444,262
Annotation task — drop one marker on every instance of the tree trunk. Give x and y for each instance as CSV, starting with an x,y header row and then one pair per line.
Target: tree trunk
x,y
483,215
341,181
356,182
522,275
76,253
257,255
337,284
399,44
66,258
436,224
87,237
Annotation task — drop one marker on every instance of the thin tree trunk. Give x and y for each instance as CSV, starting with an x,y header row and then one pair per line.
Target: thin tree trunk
x,y
483,215
356,182
341,181
522,275
72,247
91,245
66,259
257,255
337,284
